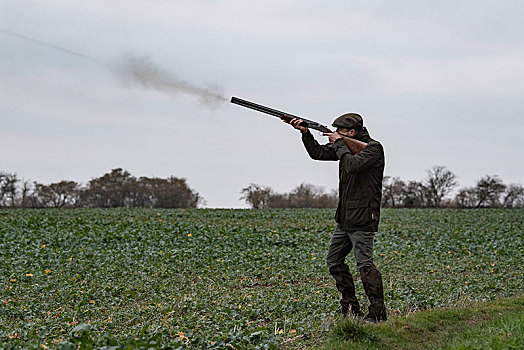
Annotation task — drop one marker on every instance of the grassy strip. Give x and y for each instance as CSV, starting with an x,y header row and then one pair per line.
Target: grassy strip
x,y
493,325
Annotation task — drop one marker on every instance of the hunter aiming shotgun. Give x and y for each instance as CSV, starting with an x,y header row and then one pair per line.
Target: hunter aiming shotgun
x,y
355,146
358,210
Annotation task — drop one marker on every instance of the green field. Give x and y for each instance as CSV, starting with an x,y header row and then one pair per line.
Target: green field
x,y
231,278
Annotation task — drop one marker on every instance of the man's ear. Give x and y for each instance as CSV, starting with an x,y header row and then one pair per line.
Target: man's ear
x,y
352,132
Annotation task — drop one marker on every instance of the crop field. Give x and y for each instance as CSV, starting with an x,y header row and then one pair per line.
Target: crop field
x,y
225,279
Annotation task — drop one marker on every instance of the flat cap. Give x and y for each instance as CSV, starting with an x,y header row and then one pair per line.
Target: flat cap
x,y
350,121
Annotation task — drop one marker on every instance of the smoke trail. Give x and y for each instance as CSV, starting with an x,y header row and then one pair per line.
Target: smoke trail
x,y
143,71
48,45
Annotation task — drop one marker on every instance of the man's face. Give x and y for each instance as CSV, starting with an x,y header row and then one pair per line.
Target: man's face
x,y
347,132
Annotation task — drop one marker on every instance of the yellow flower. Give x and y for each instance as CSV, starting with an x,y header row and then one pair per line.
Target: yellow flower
x,y
189,235
29,275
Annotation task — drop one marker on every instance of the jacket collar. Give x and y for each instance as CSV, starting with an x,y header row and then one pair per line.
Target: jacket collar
x,y
363,135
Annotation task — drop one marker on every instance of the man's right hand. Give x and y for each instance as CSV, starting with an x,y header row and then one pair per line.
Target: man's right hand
x,y
295,122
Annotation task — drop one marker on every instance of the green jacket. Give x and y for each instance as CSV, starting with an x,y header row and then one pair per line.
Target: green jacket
x,y
360,180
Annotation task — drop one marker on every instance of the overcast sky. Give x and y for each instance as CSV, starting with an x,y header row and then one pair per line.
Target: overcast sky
x,y
437,82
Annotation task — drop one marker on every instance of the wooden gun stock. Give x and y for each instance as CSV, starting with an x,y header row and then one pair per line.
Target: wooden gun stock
x,y
355,146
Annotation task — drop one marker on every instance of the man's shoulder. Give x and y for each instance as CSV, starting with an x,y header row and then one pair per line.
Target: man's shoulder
x,y
375,144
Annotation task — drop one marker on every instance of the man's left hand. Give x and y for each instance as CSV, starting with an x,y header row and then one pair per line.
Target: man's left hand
x,y
332,136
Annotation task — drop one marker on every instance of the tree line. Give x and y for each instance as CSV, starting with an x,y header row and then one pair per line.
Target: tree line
x,y
117,188
434,191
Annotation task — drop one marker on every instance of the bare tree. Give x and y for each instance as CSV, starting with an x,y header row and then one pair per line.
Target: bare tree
x,y
2,188
466,197
513,196
257,196
393,191
65,193
415,195
489,189
8,189
304,196
44,195
27,195
439,182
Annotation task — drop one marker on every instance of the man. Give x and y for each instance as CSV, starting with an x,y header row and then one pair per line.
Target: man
x,y
358,211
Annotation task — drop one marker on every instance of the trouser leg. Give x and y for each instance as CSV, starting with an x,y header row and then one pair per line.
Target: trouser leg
x,y
338,250
372,281
370,275
346,287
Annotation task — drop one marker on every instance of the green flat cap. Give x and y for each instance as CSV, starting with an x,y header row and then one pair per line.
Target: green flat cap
x,y
350,121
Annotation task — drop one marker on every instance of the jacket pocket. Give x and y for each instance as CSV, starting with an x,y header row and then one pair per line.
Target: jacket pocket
x,y
358,213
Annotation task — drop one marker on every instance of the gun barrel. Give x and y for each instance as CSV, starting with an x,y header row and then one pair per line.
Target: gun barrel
x,y
282,115
355,146
260,108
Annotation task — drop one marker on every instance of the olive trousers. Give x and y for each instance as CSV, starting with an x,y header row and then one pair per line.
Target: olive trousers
x,y
342,243
361,243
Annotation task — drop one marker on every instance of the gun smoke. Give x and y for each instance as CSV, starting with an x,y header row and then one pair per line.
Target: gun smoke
x,y
142,71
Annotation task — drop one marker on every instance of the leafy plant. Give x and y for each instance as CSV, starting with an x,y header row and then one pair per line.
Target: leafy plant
x,y
206,278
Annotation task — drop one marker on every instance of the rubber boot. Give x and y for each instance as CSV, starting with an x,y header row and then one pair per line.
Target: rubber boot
x,y
345,285
372,281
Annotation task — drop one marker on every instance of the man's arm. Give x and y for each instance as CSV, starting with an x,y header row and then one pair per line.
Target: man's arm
x,y
313,148
317,151
354,163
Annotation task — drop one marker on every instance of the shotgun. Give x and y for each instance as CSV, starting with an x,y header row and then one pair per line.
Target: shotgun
x,y
355,146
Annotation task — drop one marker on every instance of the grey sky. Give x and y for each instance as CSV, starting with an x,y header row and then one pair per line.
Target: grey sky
x,y
437,82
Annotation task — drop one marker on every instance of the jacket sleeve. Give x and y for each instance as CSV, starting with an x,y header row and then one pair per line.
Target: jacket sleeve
x,y
354,163
317,151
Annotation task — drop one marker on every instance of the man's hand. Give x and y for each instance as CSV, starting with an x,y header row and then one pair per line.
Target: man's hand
x,y
332,136
295,123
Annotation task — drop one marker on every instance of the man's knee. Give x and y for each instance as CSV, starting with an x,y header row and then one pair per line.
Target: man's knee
x,y
339,248
335,269
335,259
330,263
366,265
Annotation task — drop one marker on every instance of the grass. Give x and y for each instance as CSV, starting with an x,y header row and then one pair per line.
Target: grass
x,y
493,325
